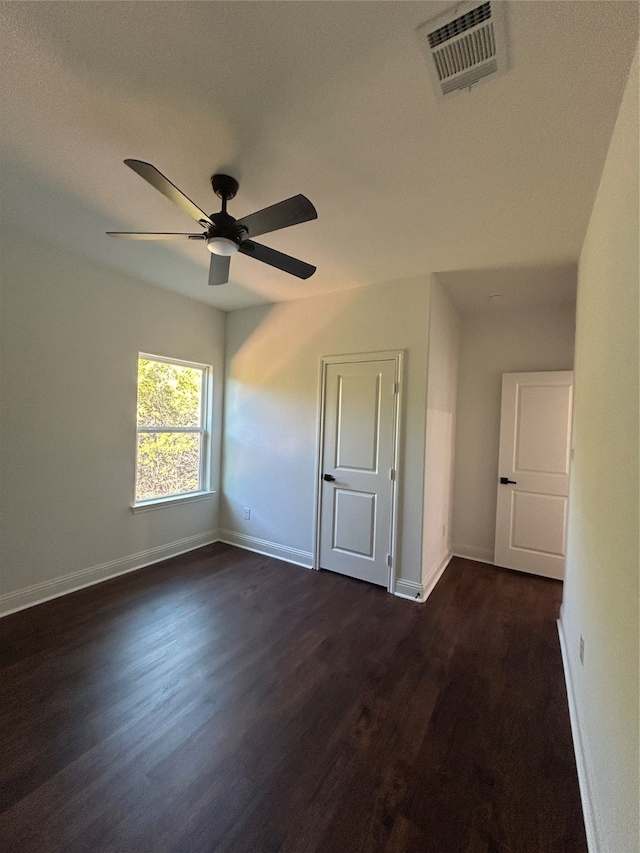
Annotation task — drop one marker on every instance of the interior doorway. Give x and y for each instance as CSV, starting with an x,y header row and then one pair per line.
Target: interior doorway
x,y
358,465
533,485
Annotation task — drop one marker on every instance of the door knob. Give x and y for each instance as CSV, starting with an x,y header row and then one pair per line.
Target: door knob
x,y
505,480
329,478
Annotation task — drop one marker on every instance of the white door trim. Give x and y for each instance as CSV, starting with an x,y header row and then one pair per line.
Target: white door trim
x,y
382,355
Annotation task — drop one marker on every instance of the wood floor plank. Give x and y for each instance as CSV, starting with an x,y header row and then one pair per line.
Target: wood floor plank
x,y
225,701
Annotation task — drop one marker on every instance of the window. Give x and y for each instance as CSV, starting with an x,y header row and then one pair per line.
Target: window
x,y
173,429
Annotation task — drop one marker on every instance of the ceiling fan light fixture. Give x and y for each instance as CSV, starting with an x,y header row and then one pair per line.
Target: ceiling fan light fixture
x,y
222,246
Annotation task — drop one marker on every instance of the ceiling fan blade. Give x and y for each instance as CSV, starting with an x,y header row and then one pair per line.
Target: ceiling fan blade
x,y
147,235
219,269
164,185
292,211
276,259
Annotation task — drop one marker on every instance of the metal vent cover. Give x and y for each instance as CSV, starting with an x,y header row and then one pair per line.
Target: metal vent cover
x,y
464,46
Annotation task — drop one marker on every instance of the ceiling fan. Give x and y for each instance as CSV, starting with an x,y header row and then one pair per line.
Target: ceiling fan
x,y
223,234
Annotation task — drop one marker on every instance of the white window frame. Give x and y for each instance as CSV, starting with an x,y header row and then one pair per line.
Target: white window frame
x,y
204,430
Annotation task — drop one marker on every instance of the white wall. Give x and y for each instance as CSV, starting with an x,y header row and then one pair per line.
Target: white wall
x,y
493,343
271,414
442,377
71,331
601,585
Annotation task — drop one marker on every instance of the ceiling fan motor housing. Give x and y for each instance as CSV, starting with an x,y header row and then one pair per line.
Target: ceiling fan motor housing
x,y
224,225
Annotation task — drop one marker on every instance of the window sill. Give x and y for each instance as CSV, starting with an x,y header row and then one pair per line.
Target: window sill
x,y
174,500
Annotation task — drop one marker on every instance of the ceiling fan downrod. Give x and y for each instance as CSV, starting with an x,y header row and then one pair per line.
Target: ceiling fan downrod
x,y
225,187
225,236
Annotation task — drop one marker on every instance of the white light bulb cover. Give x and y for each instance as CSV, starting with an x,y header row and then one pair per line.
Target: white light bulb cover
x,y
222,246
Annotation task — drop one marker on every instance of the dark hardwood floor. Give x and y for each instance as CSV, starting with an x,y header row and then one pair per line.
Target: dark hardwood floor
x,y
224,701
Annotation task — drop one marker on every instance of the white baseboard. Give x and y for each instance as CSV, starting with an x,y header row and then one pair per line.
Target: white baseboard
x,y
436,573
46,590
595,842
269,549
409,589
421,591
481,555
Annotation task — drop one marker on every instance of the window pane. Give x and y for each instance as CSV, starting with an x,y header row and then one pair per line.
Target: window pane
x,y
168,394
168,464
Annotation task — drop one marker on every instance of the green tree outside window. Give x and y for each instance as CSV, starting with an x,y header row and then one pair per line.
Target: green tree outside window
x,y
171,429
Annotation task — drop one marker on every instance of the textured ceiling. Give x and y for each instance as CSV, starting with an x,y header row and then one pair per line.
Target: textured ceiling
x,y
490,290
329,99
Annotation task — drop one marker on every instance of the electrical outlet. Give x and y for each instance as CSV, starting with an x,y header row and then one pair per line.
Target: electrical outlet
x,y
582,649
247,514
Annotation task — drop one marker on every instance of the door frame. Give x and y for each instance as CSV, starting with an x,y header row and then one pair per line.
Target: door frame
x,y
396,356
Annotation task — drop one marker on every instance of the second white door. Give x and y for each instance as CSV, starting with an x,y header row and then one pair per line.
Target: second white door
x,y
535,449
357,467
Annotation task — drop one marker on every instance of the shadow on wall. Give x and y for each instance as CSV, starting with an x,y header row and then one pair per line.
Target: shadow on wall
x,y
272,397
271,390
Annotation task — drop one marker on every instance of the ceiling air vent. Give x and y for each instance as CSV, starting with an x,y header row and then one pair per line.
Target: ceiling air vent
x,y
464,46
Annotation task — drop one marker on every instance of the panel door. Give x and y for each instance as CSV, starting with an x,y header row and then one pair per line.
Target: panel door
x,y
533,477
358,456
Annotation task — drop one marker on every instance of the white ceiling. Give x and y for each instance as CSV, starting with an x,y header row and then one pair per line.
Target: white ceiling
x,y
329,99
508,288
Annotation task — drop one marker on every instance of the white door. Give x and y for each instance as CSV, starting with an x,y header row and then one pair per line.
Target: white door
x,y
357,462
533,475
